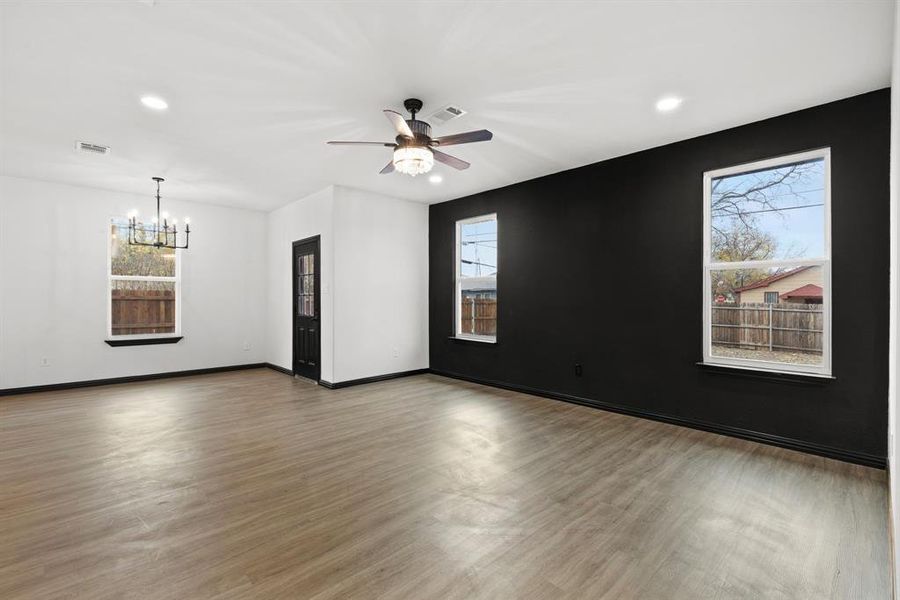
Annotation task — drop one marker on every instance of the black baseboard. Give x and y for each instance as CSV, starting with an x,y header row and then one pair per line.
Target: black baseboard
x,y
343,384
850,456
275,367
860,458
127,379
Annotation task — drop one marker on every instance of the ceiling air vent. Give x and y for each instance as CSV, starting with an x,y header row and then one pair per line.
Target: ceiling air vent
x,y
90,148
448,113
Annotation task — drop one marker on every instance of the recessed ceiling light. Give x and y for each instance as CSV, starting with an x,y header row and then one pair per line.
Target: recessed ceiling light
x,y
154,102
668,103
435,179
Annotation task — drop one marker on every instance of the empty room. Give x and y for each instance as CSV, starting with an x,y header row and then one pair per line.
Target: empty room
x,y
449,299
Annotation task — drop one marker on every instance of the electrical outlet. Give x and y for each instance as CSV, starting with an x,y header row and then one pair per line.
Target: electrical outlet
x,y
246,346
45,362
578,370
396,353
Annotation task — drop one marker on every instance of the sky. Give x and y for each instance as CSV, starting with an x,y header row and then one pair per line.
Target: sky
x,y
798,232
478,253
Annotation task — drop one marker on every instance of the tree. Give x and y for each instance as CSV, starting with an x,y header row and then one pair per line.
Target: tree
x,y
128,259
736,244
736,236
740,198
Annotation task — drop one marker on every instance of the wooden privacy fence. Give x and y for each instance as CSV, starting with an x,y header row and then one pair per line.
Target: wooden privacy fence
x,y
479,316
793,327
143,311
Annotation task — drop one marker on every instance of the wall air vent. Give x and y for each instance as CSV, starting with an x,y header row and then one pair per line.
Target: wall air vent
x,y
90,148
448,113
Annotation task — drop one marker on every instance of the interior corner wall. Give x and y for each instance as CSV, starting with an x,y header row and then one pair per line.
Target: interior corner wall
x,y
53,287
381,285
301,219
894,356
602,267
374,282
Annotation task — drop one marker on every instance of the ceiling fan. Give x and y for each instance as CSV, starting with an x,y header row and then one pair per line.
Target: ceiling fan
x,y
414,148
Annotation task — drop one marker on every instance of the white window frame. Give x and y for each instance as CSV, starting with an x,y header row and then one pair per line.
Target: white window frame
x,y
457,295
823,370
109,285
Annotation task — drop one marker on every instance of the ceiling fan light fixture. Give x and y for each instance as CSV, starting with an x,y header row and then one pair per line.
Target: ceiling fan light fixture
x,y
414,148
413,160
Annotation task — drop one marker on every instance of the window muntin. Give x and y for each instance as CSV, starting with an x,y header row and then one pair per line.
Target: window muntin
x,y
767,265
143,300
475,299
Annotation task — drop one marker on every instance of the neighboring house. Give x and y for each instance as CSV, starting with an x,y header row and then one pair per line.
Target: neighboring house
x,y
483,286
802,285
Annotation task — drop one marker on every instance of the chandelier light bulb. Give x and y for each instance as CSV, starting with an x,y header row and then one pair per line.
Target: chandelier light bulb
x,y
132,214
165,216
187,220
413,160
155,220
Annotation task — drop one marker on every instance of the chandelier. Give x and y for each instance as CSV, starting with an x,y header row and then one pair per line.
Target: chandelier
x,y
413,160
161,233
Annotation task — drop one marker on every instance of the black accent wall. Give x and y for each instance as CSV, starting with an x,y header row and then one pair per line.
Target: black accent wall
x,y
601,266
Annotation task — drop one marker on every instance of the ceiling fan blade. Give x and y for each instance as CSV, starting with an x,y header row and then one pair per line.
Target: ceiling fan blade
x,y
388,168
399,123
388,144
450,161
482,135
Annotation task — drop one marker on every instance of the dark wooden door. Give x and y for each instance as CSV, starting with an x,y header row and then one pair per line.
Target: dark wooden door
x,y
306,308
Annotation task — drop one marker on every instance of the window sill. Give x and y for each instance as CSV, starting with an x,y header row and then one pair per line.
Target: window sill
x,y
145,341
458,338
767,374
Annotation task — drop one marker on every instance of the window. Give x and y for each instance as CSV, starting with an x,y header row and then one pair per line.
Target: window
x,y
767,265
144,288
476,279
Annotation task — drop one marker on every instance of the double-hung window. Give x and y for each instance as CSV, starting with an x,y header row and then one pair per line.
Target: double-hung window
x,y
475,298
144,288
767,265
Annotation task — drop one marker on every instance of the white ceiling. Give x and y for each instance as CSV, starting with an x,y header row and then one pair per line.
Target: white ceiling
x,y
256,88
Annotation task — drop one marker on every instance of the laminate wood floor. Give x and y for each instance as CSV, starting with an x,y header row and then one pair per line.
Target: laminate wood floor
x,y
251,484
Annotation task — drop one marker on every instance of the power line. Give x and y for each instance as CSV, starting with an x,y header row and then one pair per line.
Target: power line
x,y
768,210
475,262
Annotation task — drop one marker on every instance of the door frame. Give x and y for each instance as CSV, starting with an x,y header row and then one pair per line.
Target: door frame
x,y
317,239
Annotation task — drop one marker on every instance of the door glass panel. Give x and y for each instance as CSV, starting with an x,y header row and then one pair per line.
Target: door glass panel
x,y
306,303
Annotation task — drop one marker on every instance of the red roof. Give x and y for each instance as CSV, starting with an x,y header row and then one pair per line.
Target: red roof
x,y
810,290
772,279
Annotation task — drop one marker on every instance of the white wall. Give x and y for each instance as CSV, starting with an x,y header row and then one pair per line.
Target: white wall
x,y
381,285
307,217
374,280
53,253
894,358
236,284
